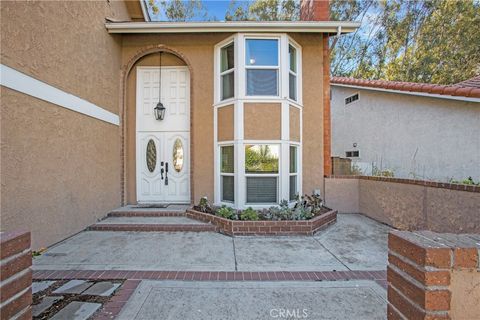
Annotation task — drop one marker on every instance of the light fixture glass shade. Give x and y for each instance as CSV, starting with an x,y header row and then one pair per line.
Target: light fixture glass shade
x,y
159,111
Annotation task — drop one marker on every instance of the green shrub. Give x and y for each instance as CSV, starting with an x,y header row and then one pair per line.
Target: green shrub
x,y
225,212
249,214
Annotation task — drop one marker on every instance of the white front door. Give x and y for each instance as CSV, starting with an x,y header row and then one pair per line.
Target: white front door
x,y
163,146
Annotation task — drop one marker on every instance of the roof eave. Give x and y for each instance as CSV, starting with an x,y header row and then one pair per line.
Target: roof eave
x,y
207,27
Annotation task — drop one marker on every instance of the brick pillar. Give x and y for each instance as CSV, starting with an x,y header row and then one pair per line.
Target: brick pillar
x,y
421,271
15,276
319,10
316,10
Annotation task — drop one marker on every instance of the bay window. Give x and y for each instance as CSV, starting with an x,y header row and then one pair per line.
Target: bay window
x,y
261,64
292,72
261,171
293,188
227,173
227,71
258,163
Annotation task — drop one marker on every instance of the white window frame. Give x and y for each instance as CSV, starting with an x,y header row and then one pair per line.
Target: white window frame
x,y
218,73
278,67
297,73
296,174
264,175
227,174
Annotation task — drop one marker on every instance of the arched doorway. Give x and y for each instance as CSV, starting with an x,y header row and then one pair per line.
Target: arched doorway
x,y
156,153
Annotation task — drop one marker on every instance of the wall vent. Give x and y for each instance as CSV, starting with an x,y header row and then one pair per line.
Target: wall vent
x,y
351,99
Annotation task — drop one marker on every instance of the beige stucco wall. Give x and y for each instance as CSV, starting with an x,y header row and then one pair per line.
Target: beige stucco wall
x,y
312,115
342,195
262,121
60,169
225,125
197,51
465,294
407,206
294,124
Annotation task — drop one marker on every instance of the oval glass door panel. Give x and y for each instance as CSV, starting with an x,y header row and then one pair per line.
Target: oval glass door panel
x,y
178,155
151,155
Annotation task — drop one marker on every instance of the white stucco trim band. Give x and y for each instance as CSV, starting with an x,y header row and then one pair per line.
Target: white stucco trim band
x,y
413,93
23,83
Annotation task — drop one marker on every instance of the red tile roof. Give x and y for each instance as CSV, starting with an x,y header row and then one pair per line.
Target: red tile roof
x,y
469,88
473,82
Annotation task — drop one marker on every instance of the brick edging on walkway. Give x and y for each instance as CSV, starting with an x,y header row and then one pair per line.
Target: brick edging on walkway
x,y
112,308
432,184
153,227
377,275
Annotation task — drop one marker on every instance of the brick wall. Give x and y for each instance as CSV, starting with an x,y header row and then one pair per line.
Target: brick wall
x,y
318,10
433,275
15,275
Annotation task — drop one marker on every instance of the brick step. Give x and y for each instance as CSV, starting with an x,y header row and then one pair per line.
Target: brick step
x,y
153,227
146,213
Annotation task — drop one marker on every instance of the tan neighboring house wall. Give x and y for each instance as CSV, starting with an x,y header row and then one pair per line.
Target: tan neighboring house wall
x,y
60,169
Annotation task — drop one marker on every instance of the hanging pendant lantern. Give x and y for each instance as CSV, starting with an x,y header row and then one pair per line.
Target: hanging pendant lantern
x,y
159,110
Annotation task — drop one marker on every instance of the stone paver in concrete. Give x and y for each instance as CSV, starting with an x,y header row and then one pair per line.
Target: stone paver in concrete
x,y
77,311
41,285
359,300
74,287
46,303
283,254
104,289
106,250
149,220
359,242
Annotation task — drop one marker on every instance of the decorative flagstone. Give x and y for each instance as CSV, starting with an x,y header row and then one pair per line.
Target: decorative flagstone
x,y
103,289
77,311
41,285
73,287
46,303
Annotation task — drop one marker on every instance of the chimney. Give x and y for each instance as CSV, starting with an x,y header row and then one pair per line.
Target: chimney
x,y
314,10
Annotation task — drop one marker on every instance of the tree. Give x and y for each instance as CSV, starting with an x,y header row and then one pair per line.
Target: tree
x,y
179,10
420,41
264,10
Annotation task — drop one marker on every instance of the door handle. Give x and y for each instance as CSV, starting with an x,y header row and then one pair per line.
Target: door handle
x,y
166,173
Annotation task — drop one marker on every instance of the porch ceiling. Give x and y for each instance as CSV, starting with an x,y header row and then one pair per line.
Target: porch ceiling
x,y
233,26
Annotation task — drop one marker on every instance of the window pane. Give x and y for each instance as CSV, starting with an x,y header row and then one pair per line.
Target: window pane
x,y
261,158
261,189
292,52
228,85
293,159
293,188
262,82
261,52
227,57
292,87
226,159
228,188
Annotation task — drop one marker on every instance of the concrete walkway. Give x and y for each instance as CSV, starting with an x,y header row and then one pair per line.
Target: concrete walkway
x,y
337,274
353,243
359,300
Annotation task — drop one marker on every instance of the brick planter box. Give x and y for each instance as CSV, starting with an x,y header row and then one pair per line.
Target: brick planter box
x,y
266,228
